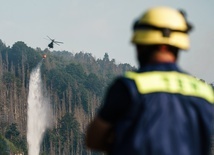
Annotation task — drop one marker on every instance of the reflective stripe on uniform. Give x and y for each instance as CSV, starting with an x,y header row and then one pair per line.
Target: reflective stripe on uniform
x,y
171,82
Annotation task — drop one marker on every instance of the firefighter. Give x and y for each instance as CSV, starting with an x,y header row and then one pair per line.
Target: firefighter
x,y
158,109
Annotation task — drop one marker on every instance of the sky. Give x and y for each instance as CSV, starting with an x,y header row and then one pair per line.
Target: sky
x,y
105,26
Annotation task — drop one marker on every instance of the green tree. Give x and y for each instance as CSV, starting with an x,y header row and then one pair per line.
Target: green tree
x,y
4,148
76,71
12,132
69,127
13,135
58,81
94,84
106,57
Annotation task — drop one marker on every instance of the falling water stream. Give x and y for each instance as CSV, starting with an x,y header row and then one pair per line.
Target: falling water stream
x,y
39,111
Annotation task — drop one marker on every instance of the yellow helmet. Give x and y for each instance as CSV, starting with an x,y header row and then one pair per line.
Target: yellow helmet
x,y
162,25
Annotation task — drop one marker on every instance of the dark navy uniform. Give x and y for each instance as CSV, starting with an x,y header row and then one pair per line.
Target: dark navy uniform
x,y
159,110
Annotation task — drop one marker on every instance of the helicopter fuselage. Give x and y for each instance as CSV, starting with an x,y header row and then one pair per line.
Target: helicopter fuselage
x,y
50,45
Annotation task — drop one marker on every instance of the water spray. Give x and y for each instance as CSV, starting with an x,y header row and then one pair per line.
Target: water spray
x,y
39,112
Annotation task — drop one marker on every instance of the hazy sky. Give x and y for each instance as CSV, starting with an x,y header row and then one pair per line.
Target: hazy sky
x,y
104,26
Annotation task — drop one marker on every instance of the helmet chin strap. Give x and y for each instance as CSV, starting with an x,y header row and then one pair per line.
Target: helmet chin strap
x,y
189,26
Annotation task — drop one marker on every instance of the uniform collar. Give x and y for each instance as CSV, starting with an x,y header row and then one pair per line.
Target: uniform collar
x,y
160,67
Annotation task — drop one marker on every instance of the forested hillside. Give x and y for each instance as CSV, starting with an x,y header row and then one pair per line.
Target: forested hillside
x,y
76,84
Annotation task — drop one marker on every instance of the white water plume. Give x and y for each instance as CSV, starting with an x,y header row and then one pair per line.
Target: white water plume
x,y
39,112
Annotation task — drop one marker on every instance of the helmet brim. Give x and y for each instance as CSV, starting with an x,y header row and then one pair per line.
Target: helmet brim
x,y
152,37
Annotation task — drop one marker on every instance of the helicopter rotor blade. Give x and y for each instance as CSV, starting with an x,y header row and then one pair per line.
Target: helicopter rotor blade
x,y
58,42
50,38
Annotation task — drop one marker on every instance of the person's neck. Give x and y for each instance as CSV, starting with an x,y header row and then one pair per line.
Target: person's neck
x,y
163,57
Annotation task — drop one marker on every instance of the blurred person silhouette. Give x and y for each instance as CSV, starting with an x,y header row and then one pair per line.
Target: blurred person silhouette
x,y
158,109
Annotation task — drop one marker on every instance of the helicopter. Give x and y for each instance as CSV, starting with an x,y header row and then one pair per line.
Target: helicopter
x,y
53,41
